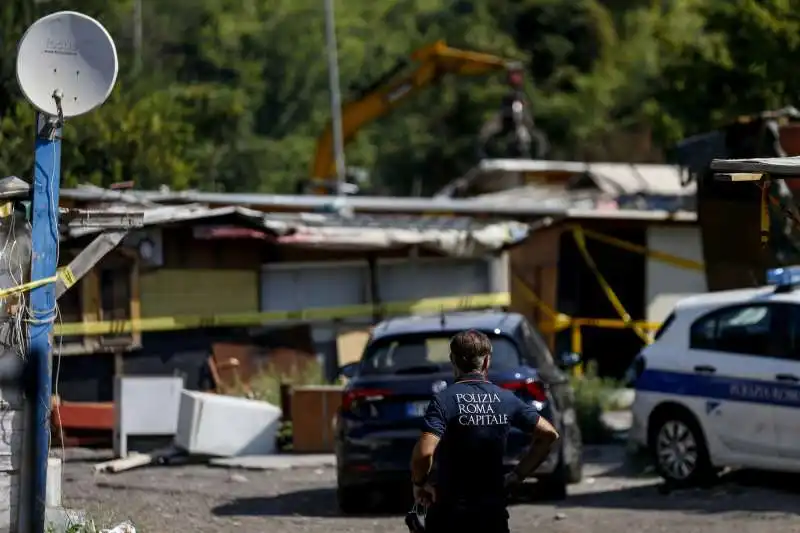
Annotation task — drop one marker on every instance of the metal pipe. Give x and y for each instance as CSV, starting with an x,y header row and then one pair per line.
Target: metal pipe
x,y
137,36
336,98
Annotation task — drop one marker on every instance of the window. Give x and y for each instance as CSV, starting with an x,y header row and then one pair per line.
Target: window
x,y
421,354
536,346
746,329
794,331
664,326
114,279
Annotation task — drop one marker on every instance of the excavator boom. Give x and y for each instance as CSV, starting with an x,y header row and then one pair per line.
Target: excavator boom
x,y
431,63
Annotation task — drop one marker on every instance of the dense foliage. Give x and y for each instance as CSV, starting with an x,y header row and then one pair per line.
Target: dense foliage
x,y
233,93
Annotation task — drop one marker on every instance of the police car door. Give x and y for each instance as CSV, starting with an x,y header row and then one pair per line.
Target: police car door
x,y
786,393
735,358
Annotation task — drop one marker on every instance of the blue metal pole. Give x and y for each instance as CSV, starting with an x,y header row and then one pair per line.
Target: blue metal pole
x,y
44,262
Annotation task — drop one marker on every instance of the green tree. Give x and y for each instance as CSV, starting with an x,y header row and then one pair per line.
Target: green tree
x,y
233,94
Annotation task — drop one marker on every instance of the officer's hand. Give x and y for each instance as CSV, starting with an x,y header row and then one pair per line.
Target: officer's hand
x,y
424,495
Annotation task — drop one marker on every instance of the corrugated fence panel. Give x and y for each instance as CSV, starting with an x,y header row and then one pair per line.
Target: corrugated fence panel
x,y
168,292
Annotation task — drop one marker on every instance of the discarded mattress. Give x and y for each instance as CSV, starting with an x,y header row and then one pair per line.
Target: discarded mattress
x,y
225,426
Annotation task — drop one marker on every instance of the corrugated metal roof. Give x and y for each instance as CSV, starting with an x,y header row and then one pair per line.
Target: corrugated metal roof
x,y
162,215
612,178
455,236
358,204
552,196
310,203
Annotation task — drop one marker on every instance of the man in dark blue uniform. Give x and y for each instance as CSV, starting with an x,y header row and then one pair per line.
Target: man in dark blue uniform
x,y
467,425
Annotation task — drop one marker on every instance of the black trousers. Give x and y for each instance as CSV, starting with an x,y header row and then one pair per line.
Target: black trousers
x,y
448,520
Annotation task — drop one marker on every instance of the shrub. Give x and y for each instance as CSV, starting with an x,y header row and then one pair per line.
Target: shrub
x,y
593,396
266,384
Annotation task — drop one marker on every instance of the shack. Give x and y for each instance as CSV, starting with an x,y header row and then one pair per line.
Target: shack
x,y
199,281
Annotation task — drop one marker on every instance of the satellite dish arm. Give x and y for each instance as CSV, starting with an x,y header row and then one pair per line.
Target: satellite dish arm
x,y
51,125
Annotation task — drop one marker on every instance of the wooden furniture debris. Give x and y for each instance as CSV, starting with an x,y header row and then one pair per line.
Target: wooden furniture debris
x,y
350,345
314,410
82,423
232,365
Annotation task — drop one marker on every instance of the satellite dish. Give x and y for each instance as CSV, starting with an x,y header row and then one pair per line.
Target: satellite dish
x,y
67,54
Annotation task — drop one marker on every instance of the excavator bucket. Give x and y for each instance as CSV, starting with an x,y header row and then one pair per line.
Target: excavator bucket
x,y
746,219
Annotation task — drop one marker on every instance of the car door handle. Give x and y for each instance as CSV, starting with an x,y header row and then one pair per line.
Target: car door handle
x,y
787,377
705,369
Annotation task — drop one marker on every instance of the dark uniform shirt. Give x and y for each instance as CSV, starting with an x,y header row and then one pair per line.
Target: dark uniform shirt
x,y
472,418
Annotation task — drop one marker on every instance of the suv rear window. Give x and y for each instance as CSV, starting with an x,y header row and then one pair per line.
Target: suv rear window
x,y
666,324
411,354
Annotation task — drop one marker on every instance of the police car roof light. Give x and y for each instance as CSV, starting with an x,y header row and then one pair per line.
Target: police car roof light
x,y
784,278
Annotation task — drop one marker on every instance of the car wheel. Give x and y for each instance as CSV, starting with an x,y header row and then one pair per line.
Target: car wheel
x,y
679,449
575,467
575,471
553,487
352,500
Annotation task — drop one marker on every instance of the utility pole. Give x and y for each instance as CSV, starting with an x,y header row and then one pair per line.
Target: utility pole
x,y
336,98
37,78
137,36
44,250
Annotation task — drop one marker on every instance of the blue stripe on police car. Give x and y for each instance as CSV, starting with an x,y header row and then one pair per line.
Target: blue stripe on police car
x,y
719,388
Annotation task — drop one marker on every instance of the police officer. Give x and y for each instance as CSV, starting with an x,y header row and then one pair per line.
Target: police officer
x,y
469,423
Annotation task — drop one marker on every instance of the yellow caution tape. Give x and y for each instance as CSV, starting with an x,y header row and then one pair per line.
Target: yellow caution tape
x,y
6,208
664,257
559,321
173,323
67,276
27,286
64,273
580,241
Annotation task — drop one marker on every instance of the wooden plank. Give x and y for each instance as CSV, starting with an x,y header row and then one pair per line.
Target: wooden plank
x,y
134,460
136,300
84,415
138,460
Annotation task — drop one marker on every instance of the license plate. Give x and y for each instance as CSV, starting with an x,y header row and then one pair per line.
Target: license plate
x,y
417,408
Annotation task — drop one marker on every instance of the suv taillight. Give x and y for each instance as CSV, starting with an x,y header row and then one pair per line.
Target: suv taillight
x,y
350,398
533,388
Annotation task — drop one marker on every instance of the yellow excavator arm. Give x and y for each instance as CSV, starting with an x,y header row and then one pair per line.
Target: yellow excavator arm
x,y
431,64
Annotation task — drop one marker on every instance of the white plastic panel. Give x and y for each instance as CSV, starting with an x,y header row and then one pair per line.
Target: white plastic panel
x,y
667,283
225,426
145,405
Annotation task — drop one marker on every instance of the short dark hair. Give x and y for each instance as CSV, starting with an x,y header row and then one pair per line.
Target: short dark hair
x,y
469,350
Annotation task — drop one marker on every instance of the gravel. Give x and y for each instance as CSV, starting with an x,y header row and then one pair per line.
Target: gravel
x,y
612,497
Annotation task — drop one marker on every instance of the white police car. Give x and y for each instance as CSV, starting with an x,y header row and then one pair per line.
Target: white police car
x,y
720,384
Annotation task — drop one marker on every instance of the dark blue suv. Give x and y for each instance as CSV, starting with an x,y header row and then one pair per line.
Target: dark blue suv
x,y
406,361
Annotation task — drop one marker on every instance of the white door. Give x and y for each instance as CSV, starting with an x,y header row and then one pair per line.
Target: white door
x,y
785,395
434,278
734,360
300,287
296,287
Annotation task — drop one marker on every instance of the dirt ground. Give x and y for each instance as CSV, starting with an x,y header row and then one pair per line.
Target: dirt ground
x,y
612,497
